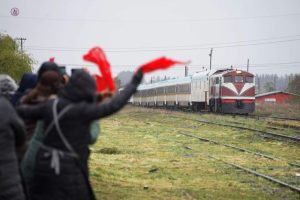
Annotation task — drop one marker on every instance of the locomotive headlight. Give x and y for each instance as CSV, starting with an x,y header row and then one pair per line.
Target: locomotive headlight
x,y
238,72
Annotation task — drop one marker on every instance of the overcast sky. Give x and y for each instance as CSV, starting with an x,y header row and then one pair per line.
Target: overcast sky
x,y
133,32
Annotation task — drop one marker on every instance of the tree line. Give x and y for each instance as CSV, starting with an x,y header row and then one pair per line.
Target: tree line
x,y
273,82
13,62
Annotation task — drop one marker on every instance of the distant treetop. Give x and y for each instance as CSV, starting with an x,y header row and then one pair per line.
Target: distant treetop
x,y
13,62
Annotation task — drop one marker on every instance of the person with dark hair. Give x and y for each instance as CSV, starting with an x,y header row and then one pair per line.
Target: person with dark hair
x,y
12,136
61,170
47,66
28,81
48,86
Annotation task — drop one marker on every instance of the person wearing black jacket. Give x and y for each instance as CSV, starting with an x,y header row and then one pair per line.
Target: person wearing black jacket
x,y
12,136
59,173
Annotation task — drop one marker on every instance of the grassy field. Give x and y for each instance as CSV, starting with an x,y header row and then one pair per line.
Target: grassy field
x,y
291,110
141,154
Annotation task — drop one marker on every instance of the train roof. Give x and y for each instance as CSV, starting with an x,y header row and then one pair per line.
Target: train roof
x,y
231,72
208,73
175,81
203,74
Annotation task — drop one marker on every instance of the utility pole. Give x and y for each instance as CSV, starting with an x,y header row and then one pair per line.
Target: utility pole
x,y
275,78
21,39
210,55
186,71
248,65
258,84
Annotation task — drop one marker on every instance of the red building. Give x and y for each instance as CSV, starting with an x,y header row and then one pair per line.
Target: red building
x,y
277,97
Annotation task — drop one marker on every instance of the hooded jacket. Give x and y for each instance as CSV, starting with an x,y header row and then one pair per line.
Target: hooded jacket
x,y
12,135
75,126
27,82
8,86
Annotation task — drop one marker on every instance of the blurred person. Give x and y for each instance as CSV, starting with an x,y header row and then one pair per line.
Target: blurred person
x,y
61,170
48,83
12,136
28,81
48,66
48,86
8,86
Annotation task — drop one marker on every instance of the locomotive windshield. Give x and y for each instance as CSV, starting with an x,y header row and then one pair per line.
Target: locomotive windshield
x,y
238,79
249,79
227,79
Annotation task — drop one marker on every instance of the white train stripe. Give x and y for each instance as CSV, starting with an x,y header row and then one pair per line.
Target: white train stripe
x,y
231,87
246,87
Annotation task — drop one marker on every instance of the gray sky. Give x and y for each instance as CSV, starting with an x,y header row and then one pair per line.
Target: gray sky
x,y
133,32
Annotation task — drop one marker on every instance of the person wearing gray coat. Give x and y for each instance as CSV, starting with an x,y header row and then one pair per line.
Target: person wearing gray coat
x,y
12,136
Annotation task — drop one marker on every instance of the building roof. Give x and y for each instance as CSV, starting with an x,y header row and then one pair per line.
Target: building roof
x,y
274,92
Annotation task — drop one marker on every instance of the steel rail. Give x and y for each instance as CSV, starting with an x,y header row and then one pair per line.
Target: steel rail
x,y
279,118
259,174
245,128
239,148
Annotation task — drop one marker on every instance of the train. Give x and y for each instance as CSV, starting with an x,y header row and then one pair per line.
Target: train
x,y
229,91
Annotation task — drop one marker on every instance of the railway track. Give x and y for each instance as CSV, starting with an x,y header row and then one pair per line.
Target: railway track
x,y
246,169
240,149
224,114
275,177
276,118
269,178
265,134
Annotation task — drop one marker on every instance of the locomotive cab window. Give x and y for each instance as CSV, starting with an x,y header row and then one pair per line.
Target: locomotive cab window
x,y
249,79
238,79
227,79
217,80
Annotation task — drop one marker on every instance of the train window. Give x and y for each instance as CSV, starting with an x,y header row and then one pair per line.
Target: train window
x,y
184,88
239,79
160,90
217,80
171,89
249,79
227,79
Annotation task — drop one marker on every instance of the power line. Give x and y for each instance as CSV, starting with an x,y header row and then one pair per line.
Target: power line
x,y
259,65
164,47
170,49
154,20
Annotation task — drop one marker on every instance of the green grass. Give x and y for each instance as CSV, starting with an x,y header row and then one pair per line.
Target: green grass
x,y
141,154
291,110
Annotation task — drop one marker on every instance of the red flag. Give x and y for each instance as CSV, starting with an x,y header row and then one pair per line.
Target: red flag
x,y
160,63
51,59
100,83
97,55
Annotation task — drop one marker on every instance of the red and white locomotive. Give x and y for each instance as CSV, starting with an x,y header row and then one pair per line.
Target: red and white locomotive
x,y
224,91
232,91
